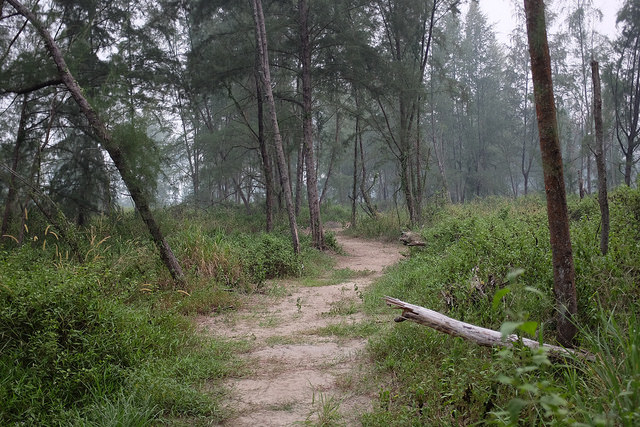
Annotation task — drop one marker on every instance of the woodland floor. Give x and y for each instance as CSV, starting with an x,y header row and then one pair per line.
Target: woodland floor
x,y
299,373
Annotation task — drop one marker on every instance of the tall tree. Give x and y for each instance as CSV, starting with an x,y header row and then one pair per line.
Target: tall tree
x,y
582,18
626,85
519,77
307,126
12,191
265,79
116,153
562,256
600,158
407,36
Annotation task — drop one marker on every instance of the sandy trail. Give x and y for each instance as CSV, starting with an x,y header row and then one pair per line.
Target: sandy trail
x,y
293,370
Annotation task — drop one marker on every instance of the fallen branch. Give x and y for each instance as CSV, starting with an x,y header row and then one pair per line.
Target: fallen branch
x,y
409,238
477,334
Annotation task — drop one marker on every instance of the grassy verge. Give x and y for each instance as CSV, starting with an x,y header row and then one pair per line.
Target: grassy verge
x,y
488,263
109,341
73,352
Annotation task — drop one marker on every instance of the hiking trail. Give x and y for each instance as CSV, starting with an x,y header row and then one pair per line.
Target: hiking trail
x,y
297,373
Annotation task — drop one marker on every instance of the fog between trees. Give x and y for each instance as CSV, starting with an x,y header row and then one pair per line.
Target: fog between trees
x,y
399,103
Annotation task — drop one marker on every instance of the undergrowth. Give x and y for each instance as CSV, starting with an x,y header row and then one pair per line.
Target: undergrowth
x,y
74,351
489,263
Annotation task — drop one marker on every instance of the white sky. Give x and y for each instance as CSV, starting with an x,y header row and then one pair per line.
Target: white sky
x,y
499,13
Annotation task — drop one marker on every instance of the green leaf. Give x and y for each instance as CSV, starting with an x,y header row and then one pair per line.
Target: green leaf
x,y
497,297
509,328
529,327
505,379
552,401
530,388
514,407
513,274
534,290
541,359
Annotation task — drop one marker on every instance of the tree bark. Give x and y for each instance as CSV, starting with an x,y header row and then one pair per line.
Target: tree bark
x,y
103,135
371,209
354,191
264,151
11,194
562,257
479,335
307,127
600,158
265,79
299,177
332,158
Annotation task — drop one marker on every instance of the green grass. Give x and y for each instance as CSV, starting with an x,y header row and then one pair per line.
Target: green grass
x,y
473,252
108,342
72,351
364,329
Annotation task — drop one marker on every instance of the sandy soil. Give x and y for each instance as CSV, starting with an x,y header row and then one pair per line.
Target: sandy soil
x,y
294,372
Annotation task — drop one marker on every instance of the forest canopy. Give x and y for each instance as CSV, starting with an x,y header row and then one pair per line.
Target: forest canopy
x,y
408,103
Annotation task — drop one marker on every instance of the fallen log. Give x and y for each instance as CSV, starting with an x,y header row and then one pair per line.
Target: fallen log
x,y
479,335
410,238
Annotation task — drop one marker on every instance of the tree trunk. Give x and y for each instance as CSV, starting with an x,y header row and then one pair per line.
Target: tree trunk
x,y
371,209
354,192
299,177
563,269
307,127
418,168
332,158
265,79
11,194
264,151
628,162
115,152
600,159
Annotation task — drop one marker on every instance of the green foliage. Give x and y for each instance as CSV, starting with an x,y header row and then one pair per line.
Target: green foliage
x,y
488,263
269,255
141,153
66,348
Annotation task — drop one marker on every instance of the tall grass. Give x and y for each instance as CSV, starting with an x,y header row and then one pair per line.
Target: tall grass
x,y
105,342
69,346
474,251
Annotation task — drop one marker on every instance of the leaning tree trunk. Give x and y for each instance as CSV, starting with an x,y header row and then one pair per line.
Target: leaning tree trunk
x,y
562,257
265,79
114,150
600,159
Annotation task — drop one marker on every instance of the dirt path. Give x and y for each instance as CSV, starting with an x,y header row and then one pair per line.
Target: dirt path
x,y
297,373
